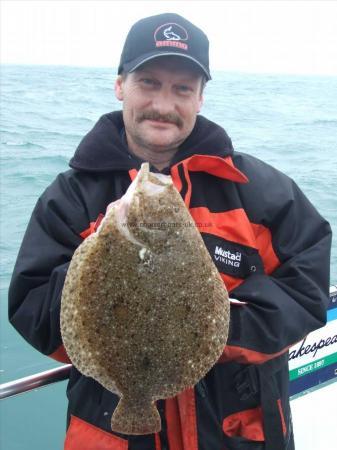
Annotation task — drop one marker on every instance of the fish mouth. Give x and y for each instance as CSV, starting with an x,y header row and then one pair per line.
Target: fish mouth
x,y
152,184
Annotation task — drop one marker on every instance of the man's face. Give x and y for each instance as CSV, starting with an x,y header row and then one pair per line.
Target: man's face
x,y
160,103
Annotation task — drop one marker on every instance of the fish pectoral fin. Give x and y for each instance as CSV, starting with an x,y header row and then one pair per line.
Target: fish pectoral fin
x,y
131,417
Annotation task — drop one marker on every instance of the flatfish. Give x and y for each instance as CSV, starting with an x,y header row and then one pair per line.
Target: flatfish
x,y
144,310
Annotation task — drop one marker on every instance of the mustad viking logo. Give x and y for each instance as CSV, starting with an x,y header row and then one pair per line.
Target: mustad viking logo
x,y
227,257
171,35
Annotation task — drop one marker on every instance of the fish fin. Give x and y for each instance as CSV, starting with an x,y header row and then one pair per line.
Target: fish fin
x,y
132,418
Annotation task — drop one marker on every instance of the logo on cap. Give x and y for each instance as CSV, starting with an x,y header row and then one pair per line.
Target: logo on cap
x,y
171,35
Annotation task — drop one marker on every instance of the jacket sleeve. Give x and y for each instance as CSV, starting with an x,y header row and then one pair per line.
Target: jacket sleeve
x,y
287,304
39,273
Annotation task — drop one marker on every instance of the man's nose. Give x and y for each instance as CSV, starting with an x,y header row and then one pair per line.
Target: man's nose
x,y
163,102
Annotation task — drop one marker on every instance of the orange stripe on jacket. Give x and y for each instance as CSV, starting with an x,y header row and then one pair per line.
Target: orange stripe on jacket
x,y
133,173
217,166
157,441
176,178
246,356
231,225
248,424
188,417
188,194
264,244
92,227
174,428
61,355
82,435
230,282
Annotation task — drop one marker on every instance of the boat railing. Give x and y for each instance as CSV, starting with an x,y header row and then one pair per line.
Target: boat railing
x,y
34,381
61,373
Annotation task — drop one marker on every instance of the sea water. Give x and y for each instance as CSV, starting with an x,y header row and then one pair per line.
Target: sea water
x,y
288,121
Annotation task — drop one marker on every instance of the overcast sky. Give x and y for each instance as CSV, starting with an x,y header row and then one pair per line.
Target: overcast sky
x,y
248,36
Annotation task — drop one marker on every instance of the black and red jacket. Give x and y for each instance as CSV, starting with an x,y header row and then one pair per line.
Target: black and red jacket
x,y
270,246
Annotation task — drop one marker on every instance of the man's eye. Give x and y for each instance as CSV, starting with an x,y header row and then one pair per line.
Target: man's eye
x,y
148,81
183,88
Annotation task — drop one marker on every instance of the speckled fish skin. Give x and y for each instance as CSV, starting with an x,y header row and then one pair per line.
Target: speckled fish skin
x,y
144,310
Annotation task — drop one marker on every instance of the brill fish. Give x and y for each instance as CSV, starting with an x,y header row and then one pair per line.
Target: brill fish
x,y
144,310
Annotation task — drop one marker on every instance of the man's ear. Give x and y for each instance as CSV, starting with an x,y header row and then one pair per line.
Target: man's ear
x,y
201,102
119,88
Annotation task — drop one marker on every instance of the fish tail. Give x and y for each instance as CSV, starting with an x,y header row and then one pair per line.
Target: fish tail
x,y
133,418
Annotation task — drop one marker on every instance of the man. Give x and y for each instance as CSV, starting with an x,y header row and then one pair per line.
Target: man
x,y
269,244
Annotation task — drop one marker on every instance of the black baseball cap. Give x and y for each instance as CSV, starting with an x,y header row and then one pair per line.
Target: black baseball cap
x,y
164,35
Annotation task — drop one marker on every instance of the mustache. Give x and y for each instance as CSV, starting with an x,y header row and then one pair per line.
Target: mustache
x,y
154,115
